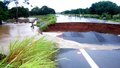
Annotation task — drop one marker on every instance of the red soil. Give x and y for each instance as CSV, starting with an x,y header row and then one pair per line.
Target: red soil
x,y
85,27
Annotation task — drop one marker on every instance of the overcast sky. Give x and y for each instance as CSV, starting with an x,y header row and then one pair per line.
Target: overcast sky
x,y
61,5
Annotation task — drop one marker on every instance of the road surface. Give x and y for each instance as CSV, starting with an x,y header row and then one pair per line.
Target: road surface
x,y
80,58
90,57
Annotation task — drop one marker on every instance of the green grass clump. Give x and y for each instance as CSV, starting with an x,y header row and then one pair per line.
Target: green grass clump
x,y
30,53
45,20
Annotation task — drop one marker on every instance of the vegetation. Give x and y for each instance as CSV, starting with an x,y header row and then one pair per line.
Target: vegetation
x,y
22,12
77,11
99,10
116,18
104,7
3,12
45,20
30,53
90,16
42,11
15,10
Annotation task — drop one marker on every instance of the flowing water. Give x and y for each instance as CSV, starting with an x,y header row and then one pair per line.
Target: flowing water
x,y
11,31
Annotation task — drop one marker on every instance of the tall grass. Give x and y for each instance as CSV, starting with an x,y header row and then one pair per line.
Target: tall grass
x,y
45,20
30,53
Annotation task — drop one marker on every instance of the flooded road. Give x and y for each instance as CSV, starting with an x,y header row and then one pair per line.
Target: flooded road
x,y
10,32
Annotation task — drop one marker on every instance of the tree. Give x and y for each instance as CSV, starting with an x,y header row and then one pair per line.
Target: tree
x,y
34,11
104,7
77,11
16,3
3,12
46,10
42,11
23,12
119,9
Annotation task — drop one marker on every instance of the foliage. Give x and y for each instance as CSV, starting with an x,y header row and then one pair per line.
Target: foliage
x,y
45,20
3,12
91,16
35,11
77,11
22,12
119,9
42,11
30,53
7,2
99,8
104,7
116,18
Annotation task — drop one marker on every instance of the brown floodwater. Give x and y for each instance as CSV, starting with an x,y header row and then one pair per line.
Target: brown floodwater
x,y
9,32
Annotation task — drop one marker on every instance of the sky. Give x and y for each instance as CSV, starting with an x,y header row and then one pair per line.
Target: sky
x,y
61,5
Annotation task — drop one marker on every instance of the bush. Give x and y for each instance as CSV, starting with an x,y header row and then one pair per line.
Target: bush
x,y
116,16
91,16
45,20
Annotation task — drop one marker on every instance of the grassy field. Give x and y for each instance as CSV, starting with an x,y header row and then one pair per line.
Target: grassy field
x,y
45,20
30,53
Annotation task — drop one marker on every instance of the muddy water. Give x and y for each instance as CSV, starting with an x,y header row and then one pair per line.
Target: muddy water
x,y
10,32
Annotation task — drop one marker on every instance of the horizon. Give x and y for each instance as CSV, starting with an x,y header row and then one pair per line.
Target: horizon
x,y
60,5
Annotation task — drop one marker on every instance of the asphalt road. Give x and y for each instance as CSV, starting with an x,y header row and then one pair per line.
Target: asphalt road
x,y
106,59
69,58
86,58
92,38
80,58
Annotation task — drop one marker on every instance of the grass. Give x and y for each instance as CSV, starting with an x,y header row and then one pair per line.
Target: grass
x,y
30,53
45,20
90,16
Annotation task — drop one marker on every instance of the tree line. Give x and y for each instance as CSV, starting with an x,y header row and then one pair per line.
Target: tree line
x,y
42,11
17,12
102,7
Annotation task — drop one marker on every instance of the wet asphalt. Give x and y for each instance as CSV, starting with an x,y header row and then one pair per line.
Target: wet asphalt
x,y
92,38
68,58
105,58
73,58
